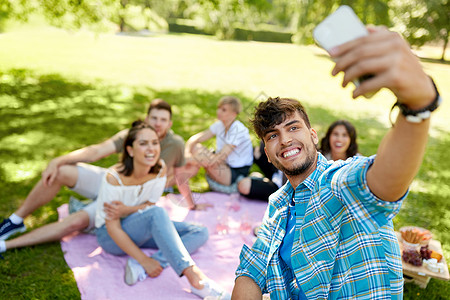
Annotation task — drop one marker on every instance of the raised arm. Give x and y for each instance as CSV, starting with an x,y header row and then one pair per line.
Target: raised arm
x,y
387,56
87,154
198,138
221,156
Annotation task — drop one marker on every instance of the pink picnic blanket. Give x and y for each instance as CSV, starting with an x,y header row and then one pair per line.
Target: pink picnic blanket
x,y
99,275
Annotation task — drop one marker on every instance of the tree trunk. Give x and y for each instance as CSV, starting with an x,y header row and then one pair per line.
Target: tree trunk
x,y
445,47
122,25
123,3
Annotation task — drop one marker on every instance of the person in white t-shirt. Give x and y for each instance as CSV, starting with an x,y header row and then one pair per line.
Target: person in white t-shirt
x,y
233,156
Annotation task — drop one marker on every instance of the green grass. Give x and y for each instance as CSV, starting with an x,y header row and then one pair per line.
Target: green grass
x,y
61,91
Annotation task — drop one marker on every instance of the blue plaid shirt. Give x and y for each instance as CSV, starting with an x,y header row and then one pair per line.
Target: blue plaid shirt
x,y
344,243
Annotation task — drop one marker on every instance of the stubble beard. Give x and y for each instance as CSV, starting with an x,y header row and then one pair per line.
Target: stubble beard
x,y
163,134
299,169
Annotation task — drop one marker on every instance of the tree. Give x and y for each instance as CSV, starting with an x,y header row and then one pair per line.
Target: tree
x,y
303,15
100,15
220,16
370,11
424,21
72,14
15,9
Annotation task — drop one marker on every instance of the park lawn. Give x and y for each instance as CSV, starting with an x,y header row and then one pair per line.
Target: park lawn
x,y
61,91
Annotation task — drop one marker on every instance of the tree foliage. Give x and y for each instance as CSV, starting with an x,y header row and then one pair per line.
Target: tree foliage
x,y
15,9
99,15
76,14
220,17
423,21
301,16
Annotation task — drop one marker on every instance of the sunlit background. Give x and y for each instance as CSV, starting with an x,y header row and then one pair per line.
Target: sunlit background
x,y
73,73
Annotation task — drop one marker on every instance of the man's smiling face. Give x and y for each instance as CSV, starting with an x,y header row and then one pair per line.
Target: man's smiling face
x,y
291,146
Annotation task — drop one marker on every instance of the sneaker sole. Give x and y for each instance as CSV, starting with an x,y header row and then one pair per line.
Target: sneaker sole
x,y
10,233
129,278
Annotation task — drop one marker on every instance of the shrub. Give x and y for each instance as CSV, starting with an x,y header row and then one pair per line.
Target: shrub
x,y
262,35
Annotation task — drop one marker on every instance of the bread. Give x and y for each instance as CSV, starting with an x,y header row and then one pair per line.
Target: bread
x,y
415,235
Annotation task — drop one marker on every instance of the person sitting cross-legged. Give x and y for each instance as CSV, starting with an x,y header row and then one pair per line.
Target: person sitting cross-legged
x,y
233,156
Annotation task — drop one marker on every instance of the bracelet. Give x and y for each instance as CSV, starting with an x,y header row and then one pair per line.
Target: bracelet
x,y
418,115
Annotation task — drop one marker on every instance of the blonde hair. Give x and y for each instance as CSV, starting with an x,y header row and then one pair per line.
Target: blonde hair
x,y
234,102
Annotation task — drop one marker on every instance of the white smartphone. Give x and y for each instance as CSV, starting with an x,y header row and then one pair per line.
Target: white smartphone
x,y
338,28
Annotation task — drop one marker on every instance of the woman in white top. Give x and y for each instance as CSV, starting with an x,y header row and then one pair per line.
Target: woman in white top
x,y
128,220
339,141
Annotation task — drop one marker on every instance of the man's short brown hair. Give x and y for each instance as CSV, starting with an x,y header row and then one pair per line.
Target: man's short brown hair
x,y
274,111
160,104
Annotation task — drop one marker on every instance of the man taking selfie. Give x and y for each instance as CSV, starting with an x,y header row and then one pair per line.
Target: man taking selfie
x,y
328,232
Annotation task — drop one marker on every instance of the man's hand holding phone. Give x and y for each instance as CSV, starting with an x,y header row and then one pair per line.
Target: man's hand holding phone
x,y
388,57
381,57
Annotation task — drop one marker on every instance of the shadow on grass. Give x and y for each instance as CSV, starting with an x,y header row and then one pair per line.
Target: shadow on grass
x,y
434,60
422,59
44,116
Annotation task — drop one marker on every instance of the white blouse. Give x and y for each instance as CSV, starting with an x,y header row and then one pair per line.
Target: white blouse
x,y
130,195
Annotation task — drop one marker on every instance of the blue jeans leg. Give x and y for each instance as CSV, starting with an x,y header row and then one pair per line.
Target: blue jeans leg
x,y
152,223
193,237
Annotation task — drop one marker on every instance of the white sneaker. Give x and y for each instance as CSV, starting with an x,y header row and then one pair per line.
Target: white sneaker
x,y
134,272
210,288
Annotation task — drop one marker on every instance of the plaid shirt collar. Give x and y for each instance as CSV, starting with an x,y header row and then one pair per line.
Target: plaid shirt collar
x,y
310,182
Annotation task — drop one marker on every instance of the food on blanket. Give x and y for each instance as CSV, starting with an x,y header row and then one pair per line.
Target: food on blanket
x,y
436,255
415,235
412,257
425,253
433,265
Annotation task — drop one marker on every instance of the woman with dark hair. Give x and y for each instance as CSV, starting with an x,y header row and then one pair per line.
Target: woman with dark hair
x,y
340,141
127,219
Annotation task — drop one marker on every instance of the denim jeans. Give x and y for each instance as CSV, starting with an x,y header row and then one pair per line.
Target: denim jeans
x,y
152,228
